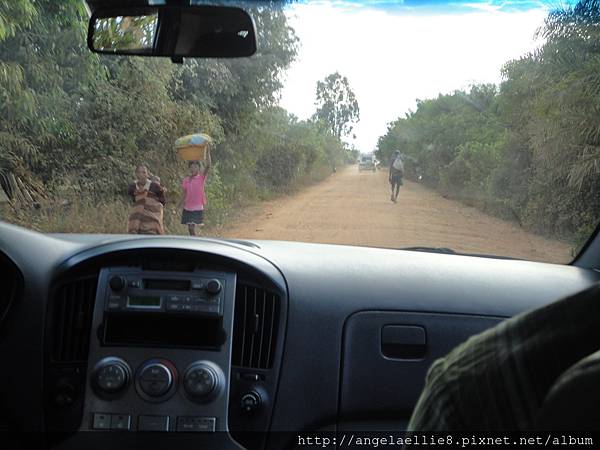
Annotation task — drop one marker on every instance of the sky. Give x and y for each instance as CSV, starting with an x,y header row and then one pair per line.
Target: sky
x,y
396,52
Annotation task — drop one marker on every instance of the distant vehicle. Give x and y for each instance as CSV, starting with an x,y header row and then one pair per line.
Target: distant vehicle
x,y
367,162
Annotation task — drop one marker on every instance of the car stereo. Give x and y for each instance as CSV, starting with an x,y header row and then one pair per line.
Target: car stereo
x,y
183,294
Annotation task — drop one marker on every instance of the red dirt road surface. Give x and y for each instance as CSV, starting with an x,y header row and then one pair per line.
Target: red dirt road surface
x,y
355,208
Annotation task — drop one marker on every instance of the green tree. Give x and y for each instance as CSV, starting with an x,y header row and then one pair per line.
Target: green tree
x,y
336,104
529,149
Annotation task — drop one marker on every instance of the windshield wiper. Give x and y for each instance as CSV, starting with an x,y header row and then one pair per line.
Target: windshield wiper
x,y
449,251
445,250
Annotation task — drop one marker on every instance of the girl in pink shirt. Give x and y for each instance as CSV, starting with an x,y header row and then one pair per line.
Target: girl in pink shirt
x,y
194,196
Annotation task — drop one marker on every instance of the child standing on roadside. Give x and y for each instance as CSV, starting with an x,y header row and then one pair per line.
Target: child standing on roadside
x,y
194,196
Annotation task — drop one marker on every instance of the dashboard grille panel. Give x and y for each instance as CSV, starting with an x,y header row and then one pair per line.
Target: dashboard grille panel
x,y
255,327
73,309
12,283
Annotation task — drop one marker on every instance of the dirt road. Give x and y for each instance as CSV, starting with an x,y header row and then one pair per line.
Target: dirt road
x,y
355,208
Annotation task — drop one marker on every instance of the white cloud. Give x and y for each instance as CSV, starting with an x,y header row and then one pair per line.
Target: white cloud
x,y
489,7
393,58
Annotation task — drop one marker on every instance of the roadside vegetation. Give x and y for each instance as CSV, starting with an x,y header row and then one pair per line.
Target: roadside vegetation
x,y
527,150
73,125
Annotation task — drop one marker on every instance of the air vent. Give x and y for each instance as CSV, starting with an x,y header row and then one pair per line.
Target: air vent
x,y
73,308
11,285
255,327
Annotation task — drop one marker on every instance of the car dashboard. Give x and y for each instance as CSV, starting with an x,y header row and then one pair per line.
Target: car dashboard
x,y
118,336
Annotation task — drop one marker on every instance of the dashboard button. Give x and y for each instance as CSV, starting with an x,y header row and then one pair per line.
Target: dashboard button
x,y
251,402
153,423
120,422
115,302
213,287
116,283
65,394
196,424
251,376
101,421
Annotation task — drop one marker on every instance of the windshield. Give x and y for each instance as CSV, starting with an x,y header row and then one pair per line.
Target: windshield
x,y
477,121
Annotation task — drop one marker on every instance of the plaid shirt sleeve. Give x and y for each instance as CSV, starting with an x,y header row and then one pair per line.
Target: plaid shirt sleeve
x,y
497,380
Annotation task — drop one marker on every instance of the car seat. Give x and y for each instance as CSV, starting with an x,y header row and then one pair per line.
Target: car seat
x,y
573,400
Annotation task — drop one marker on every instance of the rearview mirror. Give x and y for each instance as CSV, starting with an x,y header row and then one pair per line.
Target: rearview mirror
x,y
201,31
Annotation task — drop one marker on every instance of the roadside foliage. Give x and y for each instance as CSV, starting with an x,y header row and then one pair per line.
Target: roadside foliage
x,y
527,150
73,125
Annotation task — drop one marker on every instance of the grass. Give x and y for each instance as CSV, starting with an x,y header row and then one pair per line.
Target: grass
x,y
83,215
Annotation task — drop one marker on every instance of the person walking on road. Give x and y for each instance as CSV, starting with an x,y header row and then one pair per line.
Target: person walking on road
x,y
194,196
396,173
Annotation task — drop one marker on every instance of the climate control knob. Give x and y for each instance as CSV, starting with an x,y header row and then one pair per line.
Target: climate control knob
x,y
155,379
111,375
202,381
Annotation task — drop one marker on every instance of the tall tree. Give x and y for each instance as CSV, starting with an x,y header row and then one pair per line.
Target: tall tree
x,y
336,104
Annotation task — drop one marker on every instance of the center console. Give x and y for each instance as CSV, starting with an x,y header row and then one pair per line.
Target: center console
x,y
160,351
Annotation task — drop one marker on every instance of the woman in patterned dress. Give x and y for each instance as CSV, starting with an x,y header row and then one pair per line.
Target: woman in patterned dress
x,y
146,215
